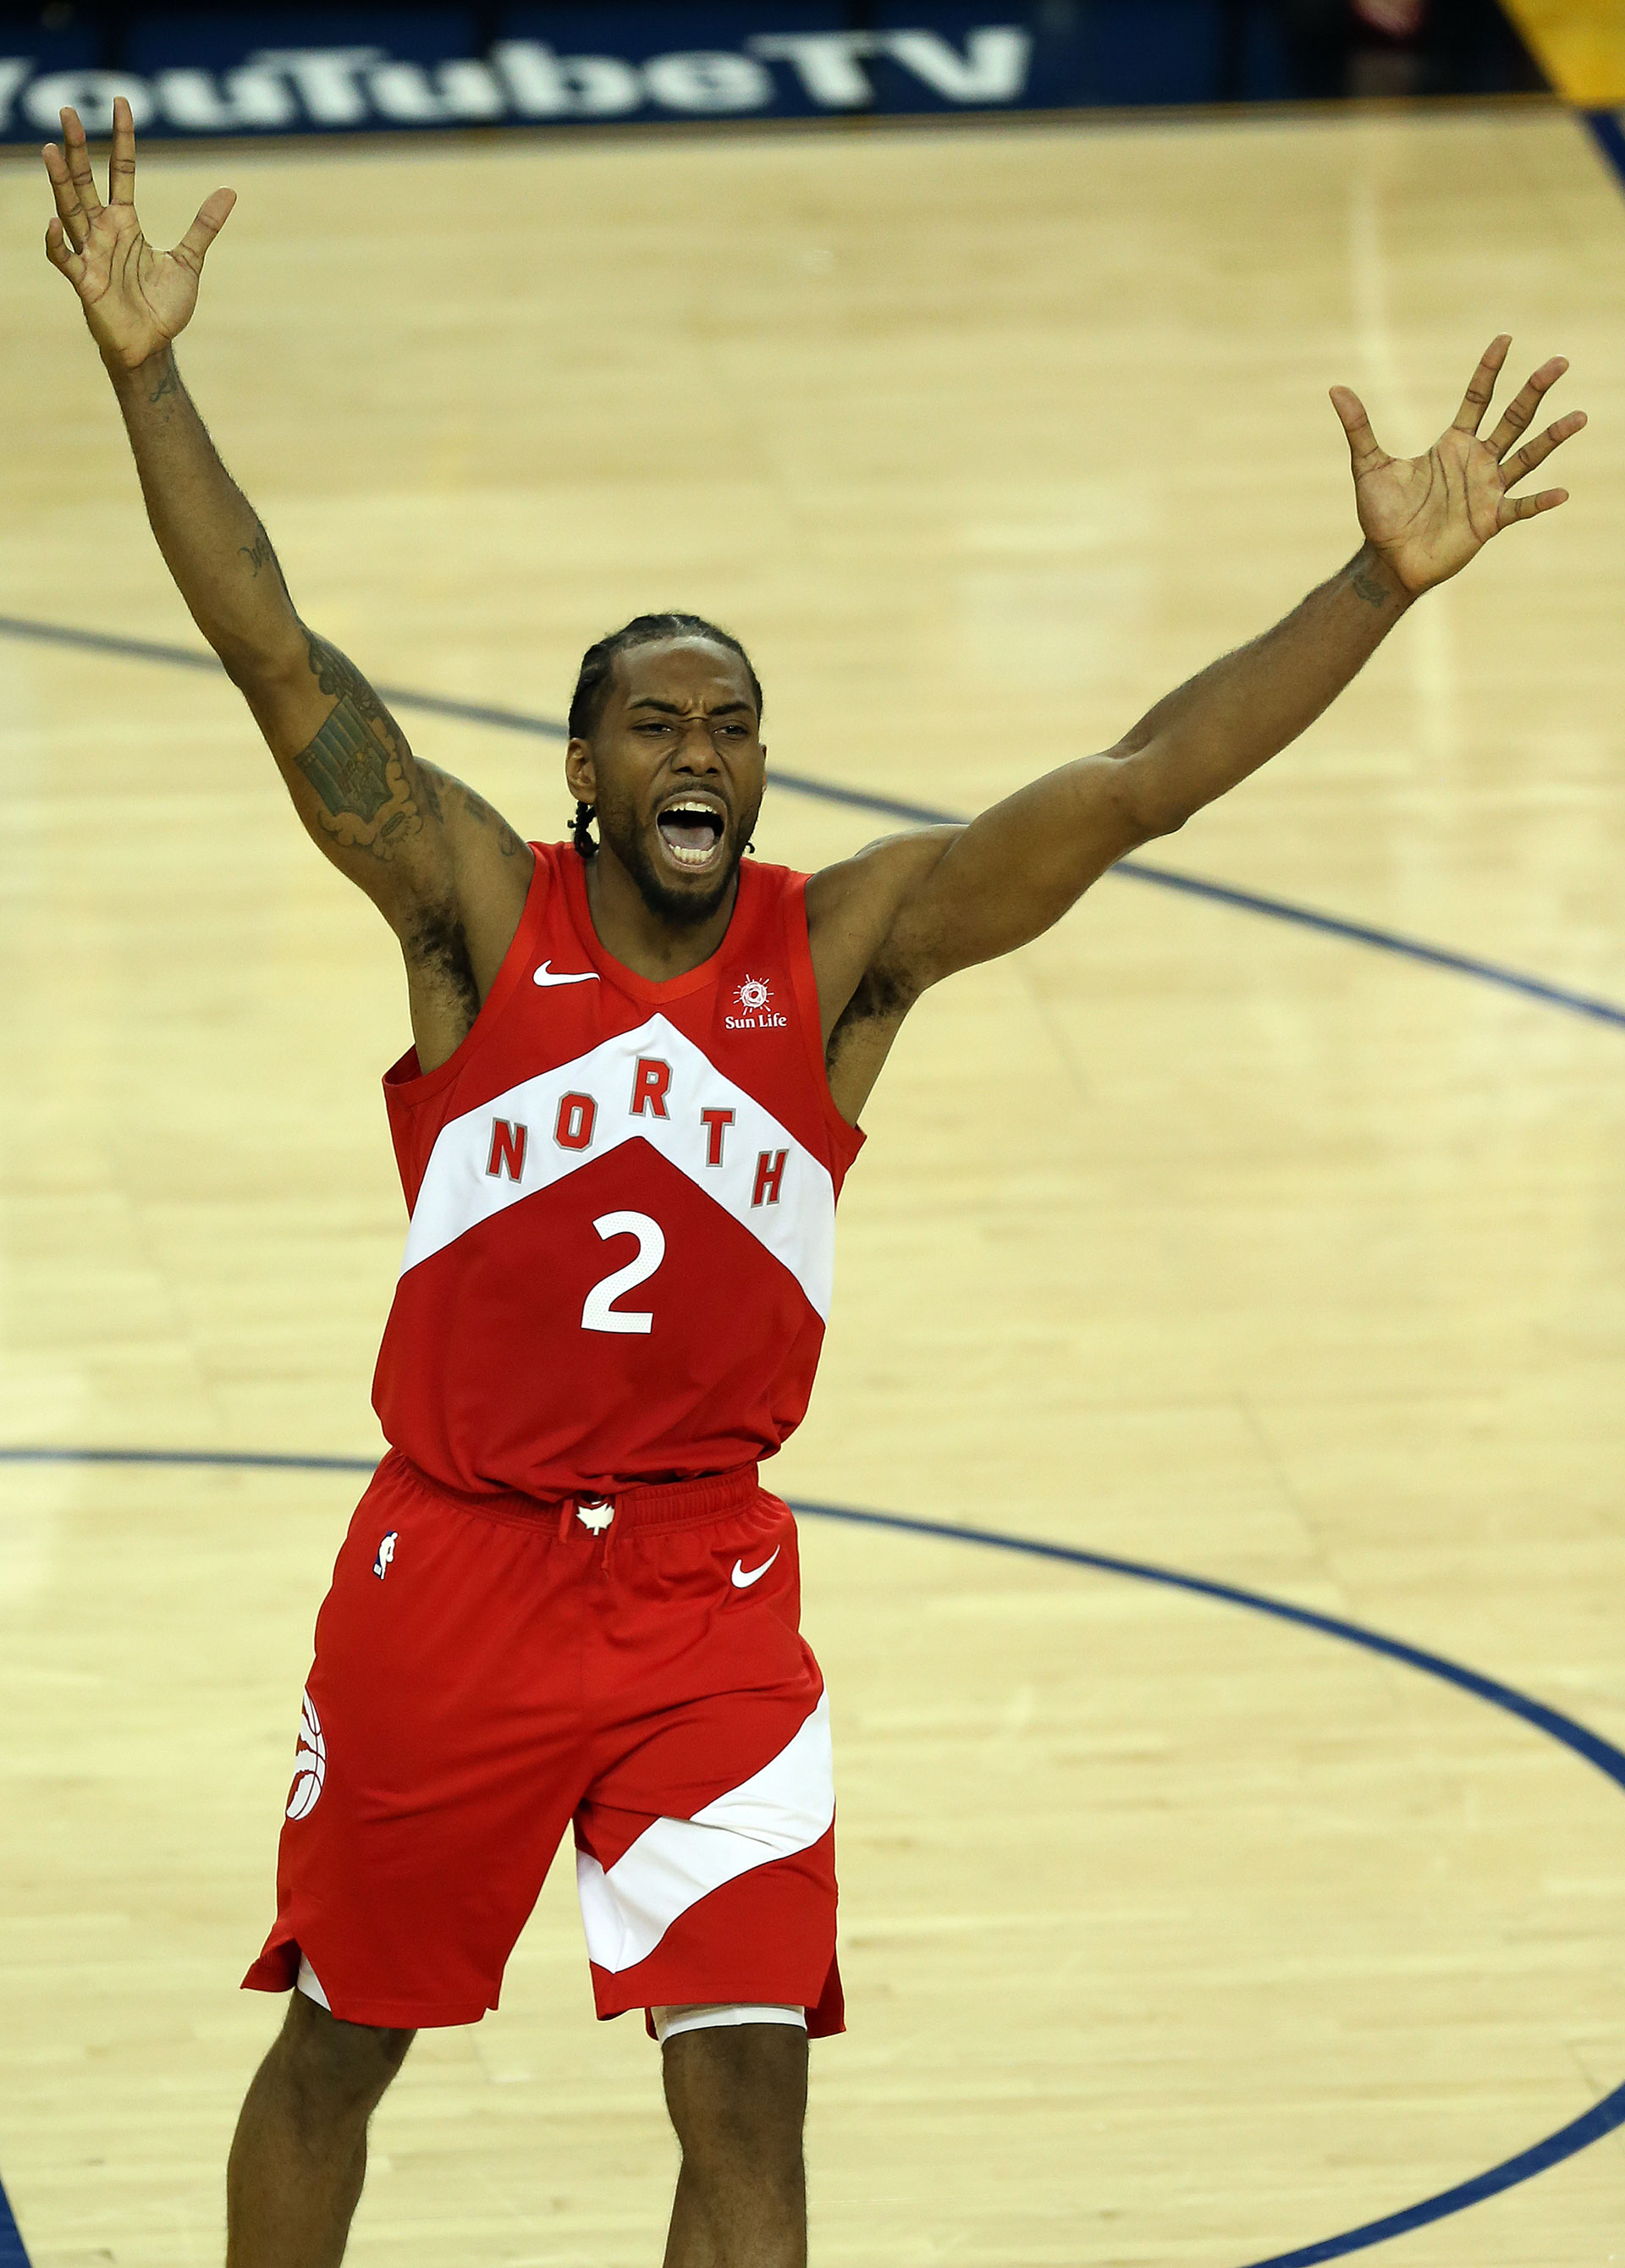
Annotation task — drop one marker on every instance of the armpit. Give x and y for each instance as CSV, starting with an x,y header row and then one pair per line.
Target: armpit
x,y
883,998
438,960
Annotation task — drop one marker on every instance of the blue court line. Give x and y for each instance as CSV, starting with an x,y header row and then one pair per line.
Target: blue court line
x,y
1138,870
11,2252
1604,2117
1608,132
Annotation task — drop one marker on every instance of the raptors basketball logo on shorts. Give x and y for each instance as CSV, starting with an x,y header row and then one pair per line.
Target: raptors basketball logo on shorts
x,y
310,1764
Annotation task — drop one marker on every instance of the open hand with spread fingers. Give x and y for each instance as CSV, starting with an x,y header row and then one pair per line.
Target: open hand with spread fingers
x,y
136,299
1428,516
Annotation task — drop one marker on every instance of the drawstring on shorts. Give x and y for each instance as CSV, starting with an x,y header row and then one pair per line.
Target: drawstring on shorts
x,y
653,1505
596,1514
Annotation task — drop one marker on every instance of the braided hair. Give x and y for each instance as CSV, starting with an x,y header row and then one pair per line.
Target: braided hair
x,y
597,671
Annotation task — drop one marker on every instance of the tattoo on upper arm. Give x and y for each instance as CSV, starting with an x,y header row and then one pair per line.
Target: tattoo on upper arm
x,y
372,794
429,789
476,805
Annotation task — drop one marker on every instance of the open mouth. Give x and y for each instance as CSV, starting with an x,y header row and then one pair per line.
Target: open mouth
x,y
691,833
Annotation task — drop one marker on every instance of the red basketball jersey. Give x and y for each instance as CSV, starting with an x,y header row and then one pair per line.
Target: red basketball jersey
x,y
623,1208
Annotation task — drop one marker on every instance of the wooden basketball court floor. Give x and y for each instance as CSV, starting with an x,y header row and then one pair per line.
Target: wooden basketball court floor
x,y
1177,1934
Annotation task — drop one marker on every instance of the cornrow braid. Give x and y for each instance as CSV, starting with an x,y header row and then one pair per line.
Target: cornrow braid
x,y
592,685
580,827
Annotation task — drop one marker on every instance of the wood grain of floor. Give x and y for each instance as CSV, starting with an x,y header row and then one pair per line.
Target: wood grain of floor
x,y
1175,1937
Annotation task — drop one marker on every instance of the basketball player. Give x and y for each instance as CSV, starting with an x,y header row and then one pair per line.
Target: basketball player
x,y
638,1067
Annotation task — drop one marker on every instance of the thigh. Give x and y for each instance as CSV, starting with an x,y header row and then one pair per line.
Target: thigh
x,y
440,1757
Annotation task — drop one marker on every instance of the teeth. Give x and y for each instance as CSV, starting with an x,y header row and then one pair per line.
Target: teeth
x,y
684,814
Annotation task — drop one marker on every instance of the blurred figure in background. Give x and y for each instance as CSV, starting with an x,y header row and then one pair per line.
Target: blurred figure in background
x,y
1390,48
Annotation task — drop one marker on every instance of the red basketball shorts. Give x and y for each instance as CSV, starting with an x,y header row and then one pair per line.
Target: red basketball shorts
x,y
488,1670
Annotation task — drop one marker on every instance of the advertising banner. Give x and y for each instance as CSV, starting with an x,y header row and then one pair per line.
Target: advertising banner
x,y
365,70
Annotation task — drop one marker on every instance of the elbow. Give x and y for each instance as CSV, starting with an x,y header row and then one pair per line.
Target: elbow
x,y
1167,819
1147,798
258,666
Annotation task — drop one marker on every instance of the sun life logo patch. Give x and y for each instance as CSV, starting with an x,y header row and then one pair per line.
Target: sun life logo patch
x,y
754,996
310,1764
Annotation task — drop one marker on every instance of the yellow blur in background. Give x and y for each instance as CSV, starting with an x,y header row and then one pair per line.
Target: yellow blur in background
x,y
1580,45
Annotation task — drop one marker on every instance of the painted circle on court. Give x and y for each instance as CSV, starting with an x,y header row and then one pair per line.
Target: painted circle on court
x,y
1601,2119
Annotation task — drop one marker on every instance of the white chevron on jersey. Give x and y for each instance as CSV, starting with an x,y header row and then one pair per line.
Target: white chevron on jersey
x,y
458,1193
784,1808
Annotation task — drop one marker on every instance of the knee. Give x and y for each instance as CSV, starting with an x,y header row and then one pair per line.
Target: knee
x,y
337,2070
738,2090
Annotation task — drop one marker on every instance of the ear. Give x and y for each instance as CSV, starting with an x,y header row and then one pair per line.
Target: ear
x,y
581,777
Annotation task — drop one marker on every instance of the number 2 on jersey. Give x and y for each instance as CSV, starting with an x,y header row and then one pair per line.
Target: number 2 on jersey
x,y
597,1313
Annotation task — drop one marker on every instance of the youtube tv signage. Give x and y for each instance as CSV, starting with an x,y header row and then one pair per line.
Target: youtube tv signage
x,y
267,70
365,71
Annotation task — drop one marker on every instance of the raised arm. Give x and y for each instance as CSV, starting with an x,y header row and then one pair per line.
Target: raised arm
x,y
911,910
447,872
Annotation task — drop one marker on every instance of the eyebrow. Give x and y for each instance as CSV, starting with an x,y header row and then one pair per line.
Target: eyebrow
x,y
674,708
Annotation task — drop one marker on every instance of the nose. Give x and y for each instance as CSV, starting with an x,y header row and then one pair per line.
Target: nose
x,y
697,751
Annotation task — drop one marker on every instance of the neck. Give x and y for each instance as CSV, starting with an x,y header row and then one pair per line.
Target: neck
x,y
640,938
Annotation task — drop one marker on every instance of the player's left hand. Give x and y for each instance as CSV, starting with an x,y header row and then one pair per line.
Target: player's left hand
x,y
1430,515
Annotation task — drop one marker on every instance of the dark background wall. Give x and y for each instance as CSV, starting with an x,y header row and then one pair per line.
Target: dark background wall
x,y
393,67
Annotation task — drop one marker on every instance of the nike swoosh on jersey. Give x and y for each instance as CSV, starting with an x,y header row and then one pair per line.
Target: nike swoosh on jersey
x,y
545,975
741,1581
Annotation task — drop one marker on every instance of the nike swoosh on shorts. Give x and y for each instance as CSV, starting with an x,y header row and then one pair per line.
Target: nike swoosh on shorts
x,y
545,975
741,1581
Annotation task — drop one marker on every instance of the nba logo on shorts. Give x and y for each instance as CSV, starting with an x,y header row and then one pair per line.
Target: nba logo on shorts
x,y
310,1764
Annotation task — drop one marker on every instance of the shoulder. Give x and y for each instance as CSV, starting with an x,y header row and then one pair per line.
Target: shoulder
x,y
852,907
883,874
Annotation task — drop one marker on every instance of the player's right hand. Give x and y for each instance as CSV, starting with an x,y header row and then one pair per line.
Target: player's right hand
x,y
136,300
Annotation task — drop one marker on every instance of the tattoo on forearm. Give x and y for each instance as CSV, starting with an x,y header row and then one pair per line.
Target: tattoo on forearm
x,y
360,765
1369,588
259,552
169,382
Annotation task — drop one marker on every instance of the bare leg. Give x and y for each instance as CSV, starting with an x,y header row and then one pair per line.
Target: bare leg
x,y
737,2096
298,2157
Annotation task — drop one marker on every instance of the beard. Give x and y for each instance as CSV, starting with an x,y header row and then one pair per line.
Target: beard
x,y
689,909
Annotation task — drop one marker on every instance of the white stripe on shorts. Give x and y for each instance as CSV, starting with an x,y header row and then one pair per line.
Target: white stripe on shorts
x,y
784,1808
